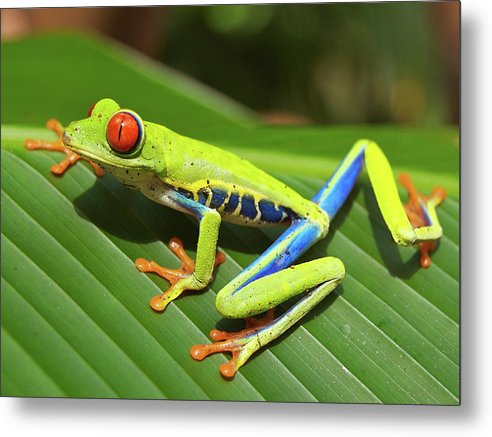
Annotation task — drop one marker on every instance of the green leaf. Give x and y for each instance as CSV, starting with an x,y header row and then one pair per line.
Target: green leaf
x,y
75,315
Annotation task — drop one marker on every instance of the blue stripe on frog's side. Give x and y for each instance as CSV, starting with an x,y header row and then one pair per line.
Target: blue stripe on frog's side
x,y
245,206
218,198
203,194
270,213
248,207
232,203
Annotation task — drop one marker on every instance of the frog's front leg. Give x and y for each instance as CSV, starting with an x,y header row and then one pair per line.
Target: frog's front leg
x,y
192,275
58,146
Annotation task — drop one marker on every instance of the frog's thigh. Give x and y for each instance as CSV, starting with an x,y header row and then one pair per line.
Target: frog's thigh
x,y
269,291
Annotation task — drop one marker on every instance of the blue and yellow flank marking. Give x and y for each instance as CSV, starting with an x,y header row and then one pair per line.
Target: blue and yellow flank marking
x,y
246,206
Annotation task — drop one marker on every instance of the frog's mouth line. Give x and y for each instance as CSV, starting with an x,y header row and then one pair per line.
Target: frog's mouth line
x,y
87,155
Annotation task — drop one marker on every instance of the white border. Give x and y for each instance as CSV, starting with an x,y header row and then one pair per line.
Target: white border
x,y
60,417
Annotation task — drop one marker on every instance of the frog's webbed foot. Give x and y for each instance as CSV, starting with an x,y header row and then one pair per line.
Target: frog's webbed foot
x,y
415,209
174,276
241,344
71,159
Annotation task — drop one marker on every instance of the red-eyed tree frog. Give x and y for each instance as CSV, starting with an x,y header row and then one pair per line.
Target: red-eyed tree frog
x,y
214,185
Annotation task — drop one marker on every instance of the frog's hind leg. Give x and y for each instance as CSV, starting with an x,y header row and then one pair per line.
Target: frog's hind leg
x,y
415,224
420,211
57,146
318,277
265,284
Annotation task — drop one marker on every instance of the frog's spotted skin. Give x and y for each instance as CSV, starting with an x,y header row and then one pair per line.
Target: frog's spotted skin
x,y
214,185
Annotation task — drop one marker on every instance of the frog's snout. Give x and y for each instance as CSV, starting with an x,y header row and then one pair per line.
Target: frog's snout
x,y
66,138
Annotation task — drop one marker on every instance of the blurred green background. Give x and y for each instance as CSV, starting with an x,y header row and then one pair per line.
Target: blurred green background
x,y
294,63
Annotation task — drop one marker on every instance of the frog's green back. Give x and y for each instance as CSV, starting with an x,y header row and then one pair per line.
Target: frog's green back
x,y
195,166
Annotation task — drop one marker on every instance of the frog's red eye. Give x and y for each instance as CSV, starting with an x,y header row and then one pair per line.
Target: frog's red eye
x,y
89,113
124,132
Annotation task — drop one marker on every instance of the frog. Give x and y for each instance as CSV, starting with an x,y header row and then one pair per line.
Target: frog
x,y
214,185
